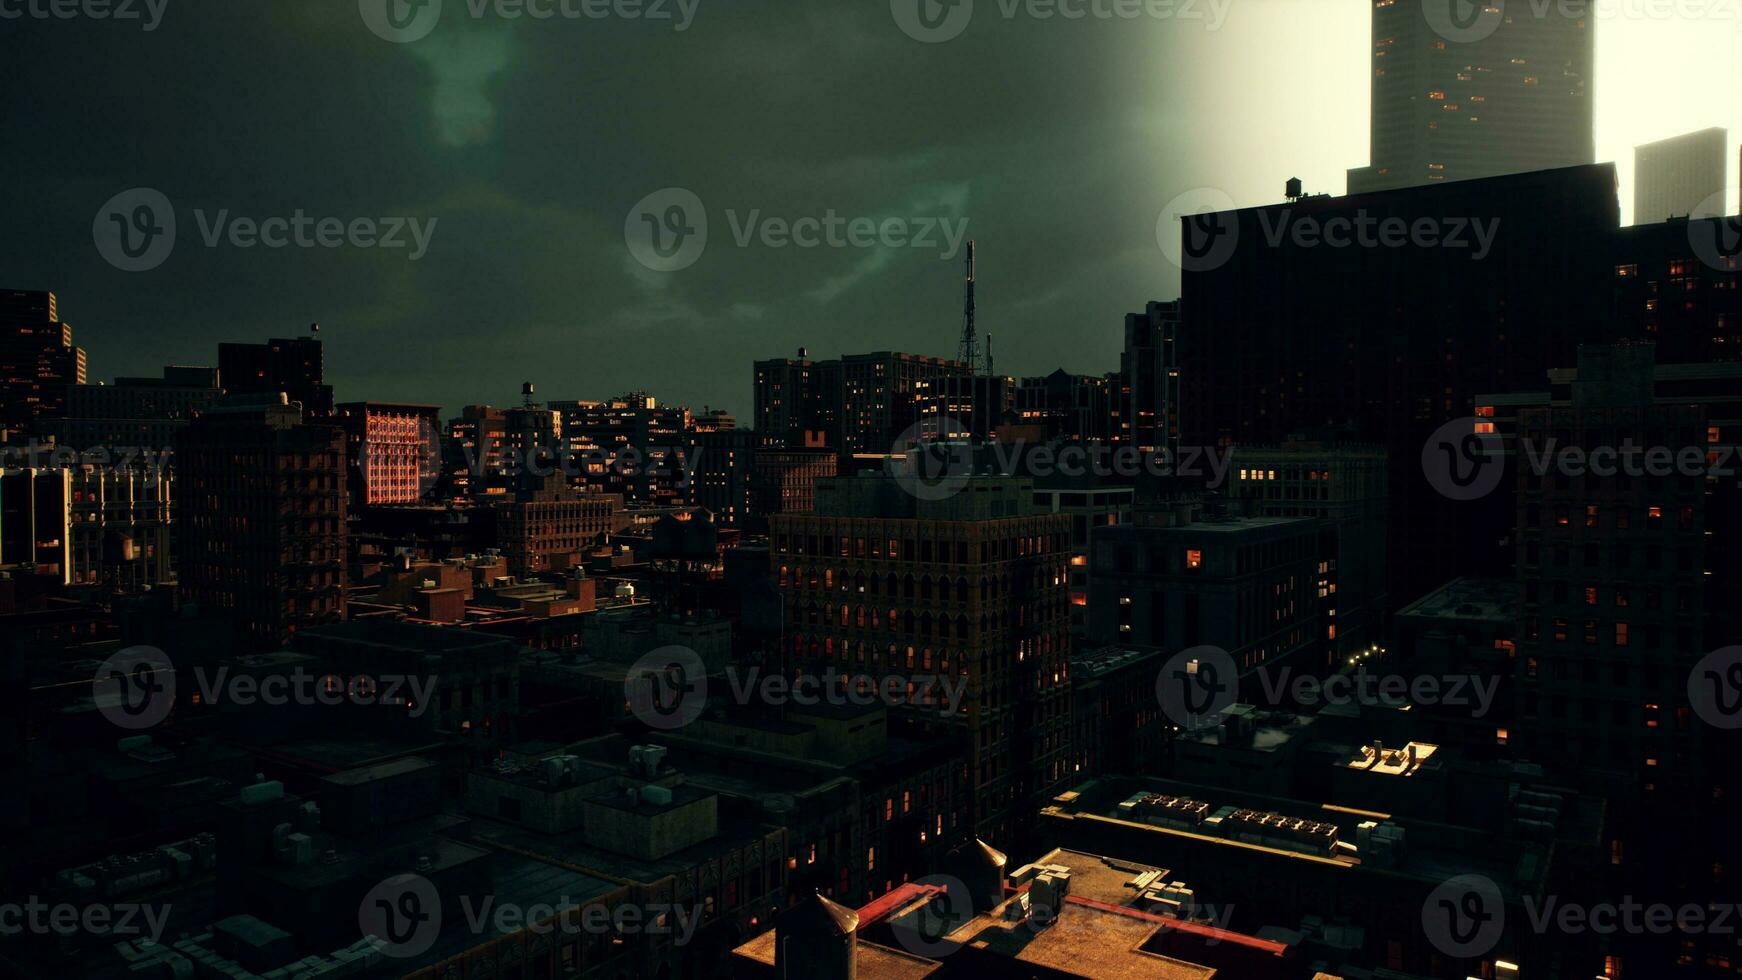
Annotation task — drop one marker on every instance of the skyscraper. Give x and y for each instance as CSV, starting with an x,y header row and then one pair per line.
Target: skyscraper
x,y
1674,178
1509,92
37,359
1150,369
261,517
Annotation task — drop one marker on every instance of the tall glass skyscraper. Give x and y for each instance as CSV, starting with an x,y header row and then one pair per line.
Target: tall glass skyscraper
x,y
1464,90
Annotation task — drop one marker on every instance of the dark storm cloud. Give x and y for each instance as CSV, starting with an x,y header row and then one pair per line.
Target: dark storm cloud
x,y
528,142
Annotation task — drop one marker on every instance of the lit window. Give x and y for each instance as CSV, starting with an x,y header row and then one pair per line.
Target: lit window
x,y
1194,558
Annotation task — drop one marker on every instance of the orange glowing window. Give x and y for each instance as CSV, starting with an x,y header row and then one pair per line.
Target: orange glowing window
x,y
1194,558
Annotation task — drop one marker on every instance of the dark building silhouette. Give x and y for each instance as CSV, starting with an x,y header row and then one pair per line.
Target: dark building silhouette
x,y
1385,343
1667,292
1149,369
260,517
1508,93
798,397
37,359
293,367
1673,178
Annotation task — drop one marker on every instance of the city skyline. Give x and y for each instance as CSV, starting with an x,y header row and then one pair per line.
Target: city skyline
x,y
525,229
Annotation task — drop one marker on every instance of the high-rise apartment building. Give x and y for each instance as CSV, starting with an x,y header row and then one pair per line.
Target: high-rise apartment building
x,y
1677,177
1506,93
881,584
261,517
37,359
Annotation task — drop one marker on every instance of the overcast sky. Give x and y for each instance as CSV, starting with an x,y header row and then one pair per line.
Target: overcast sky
x,y
532,145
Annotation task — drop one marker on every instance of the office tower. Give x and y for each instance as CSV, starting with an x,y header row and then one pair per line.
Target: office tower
x,y
293,367
1512,93
1383,343
1346,488
886,394
392,452
1149,370
971,588
261,517
798,399
37,359
1674,178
